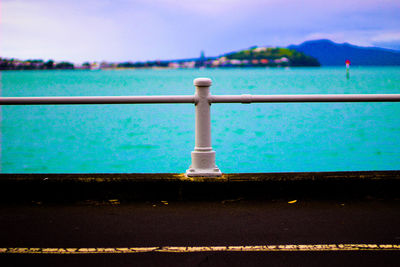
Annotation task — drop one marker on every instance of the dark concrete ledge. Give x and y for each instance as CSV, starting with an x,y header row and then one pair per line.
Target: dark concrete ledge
x,y
178,177
154,186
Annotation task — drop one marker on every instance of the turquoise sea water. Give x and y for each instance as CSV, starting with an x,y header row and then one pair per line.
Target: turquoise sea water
x,y
159,138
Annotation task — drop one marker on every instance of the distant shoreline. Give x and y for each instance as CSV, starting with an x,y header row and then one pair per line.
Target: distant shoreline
x,y
167,68
248,58
237,68
308,54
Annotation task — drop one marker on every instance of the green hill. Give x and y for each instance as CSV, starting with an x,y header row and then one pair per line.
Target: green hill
x,y
270,56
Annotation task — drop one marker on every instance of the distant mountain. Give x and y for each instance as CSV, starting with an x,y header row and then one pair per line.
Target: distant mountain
x,y
329,53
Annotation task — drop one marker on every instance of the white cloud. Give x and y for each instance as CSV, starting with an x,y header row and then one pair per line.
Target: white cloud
x,y
386,37
30,30
118,30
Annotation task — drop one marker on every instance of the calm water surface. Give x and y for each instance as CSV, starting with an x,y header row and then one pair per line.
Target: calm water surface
x,y
159,138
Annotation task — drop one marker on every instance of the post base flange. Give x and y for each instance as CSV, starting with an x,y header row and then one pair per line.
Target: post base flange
x,y
215,172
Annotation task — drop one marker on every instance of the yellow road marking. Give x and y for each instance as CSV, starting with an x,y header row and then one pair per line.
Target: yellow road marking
x,y
178,249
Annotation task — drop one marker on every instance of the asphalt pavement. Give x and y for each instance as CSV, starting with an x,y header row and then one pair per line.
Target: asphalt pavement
x,y
224,224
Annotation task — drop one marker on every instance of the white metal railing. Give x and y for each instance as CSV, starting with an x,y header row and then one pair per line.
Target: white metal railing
x,y
80,100
203,157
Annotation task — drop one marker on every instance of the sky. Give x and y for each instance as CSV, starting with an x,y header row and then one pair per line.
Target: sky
x,y
140,30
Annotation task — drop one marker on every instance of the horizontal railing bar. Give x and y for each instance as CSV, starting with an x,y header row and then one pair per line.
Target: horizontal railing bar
x,y
79,100
247,99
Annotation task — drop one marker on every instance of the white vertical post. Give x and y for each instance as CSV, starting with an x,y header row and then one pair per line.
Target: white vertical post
x,y
203,157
